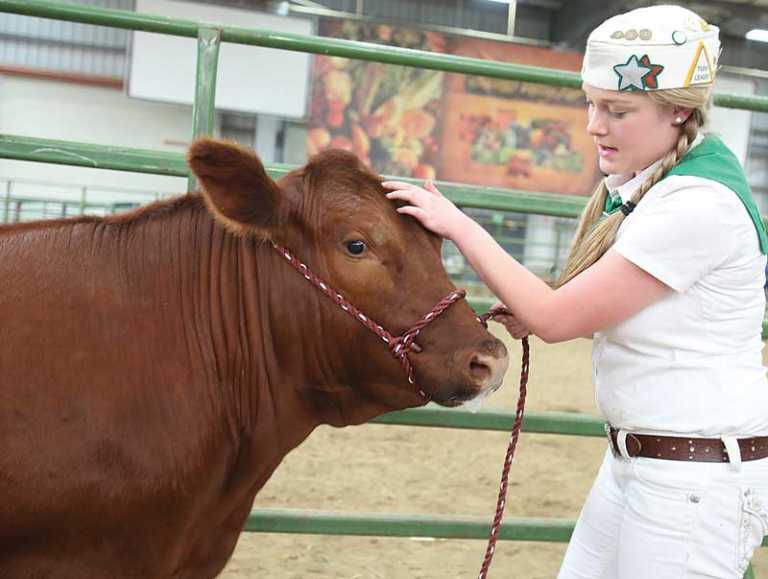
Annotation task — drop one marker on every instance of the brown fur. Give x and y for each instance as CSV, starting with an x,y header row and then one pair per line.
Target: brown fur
x,y
156,368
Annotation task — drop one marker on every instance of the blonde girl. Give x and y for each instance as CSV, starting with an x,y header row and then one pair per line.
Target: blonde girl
x,y
666,274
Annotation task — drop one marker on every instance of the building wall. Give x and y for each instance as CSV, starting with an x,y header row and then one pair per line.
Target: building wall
x,y
72,112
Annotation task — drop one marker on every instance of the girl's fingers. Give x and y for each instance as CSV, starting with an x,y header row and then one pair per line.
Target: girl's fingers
x,y
400,185
413,197
419,214
430,186
399,194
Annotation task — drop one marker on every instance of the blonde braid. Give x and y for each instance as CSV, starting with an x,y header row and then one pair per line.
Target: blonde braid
x,y
594,236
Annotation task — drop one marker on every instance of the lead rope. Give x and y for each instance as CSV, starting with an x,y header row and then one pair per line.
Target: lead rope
x,y
501,501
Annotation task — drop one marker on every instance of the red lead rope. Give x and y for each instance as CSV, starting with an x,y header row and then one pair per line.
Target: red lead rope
x,y
504,486
401,345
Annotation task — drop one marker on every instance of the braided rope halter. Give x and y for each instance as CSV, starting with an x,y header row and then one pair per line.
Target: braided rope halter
x,y
400,346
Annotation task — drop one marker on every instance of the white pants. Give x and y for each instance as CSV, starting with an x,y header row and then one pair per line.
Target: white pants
x,y
661,519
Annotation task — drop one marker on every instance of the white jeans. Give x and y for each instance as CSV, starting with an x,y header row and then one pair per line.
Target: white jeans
x,y
661,519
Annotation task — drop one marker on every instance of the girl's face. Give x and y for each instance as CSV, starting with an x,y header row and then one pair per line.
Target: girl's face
x,y
630,130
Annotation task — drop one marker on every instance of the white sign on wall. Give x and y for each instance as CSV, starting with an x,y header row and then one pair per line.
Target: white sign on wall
x,y
250,78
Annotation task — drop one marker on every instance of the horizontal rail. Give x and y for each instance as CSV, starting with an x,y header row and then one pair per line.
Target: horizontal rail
x,y
550,530
404,525
540,422
94,156
323,45
24,148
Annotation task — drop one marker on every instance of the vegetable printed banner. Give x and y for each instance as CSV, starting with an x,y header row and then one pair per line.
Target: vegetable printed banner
x,y
429,124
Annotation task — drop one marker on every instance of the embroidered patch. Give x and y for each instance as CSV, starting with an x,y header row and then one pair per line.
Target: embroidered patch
x,y
638,74
700,71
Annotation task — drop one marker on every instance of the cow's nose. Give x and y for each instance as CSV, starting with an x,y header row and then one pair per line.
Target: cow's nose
x,y
488,365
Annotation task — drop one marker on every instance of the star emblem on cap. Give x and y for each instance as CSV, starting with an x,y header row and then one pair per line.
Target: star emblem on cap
x,y
638,73
650,79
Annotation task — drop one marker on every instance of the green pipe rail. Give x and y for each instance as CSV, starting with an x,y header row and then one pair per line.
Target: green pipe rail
x,y
319,45
402,525
146,161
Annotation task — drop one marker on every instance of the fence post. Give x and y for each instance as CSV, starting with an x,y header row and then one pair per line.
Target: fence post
x,y
83,199
208,42
7,211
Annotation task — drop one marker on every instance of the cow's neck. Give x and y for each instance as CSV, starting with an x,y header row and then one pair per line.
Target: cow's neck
x,y
275,350
267,353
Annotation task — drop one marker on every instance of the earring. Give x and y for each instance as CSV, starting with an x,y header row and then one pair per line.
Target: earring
x,y
679,120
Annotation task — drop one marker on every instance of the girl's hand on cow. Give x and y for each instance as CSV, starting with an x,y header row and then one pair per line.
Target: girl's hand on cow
x,y
429,206
514,326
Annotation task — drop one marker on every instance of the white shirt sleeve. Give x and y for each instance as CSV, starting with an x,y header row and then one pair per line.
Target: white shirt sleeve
x,y
677,232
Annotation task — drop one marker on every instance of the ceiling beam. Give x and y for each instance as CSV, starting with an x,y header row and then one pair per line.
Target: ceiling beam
x,y
574,21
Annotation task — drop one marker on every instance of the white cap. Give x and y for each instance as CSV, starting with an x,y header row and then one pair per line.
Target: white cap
x,y
653,48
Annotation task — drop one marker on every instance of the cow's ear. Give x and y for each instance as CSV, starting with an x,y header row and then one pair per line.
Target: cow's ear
x,y
235,185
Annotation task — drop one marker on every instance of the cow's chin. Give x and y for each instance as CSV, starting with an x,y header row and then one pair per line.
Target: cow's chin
x,y
472,393
456,397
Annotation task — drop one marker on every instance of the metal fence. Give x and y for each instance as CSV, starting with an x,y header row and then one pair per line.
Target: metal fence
x,y
147,161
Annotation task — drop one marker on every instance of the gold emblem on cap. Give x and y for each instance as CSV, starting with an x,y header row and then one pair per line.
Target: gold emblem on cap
x,y
630,34
617,35
700,71
645,34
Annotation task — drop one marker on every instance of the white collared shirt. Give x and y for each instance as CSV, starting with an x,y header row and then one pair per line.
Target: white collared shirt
x,y
690,363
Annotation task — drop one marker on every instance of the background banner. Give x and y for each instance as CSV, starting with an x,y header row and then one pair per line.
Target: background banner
x,y
429,124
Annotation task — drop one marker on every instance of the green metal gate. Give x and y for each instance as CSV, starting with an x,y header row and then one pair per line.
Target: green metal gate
x,y
173,164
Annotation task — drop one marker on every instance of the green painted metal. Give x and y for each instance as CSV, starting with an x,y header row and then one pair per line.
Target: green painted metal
x,y
540,422
173,164
747,103
90,155
405,525
294,42
166,163
320,45
204,108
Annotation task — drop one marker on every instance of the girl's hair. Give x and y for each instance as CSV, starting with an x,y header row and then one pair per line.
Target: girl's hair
x,y
593,235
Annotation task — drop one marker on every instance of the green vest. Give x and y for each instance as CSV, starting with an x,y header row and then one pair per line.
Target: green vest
x,y
711,159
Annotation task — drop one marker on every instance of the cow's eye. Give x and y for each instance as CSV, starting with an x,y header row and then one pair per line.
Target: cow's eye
x,y
355,247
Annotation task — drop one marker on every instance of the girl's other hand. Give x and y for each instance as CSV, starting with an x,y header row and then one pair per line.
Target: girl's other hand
x,y
514,326
429,206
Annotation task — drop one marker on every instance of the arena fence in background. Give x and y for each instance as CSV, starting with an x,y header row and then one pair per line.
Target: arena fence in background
x,y
163,163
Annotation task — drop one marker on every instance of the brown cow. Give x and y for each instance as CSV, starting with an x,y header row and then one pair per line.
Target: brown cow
x,y
157,366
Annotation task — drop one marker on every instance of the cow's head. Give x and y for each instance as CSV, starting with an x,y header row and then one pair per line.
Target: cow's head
x,y
333,214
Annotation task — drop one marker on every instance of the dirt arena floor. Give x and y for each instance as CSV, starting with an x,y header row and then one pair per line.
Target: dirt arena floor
x,y
381,468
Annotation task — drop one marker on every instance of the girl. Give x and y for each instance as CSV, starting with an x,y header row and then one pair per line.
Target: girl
x,y
666,274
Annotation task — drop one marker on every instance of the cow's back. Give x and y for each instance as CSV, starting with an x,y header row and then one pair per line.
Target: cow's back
x,y
106,408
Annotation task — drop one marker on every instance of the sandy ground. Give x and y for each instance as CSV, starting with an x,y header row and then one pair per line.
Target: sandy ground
x,y
381,468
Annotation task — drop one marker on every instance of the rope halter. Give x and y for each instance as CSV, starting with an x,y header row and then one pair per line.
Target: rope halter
x,y
399,346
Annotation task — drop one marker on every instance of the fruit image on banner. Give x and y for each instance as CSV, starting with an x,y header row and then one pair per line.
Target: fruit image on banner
x,y
427,124
386,115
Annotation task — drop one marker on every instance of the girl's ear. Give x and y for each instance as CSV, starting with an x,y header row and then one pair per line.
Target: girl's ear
x,y
680,115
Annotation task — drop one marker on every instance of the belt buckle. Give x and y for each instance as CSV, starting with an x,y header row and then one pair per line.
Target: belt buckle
x,y
611,445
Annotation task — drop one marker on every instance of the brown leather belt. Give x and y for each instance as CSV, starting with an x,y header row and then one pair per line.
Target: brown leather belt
x,y
686,448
